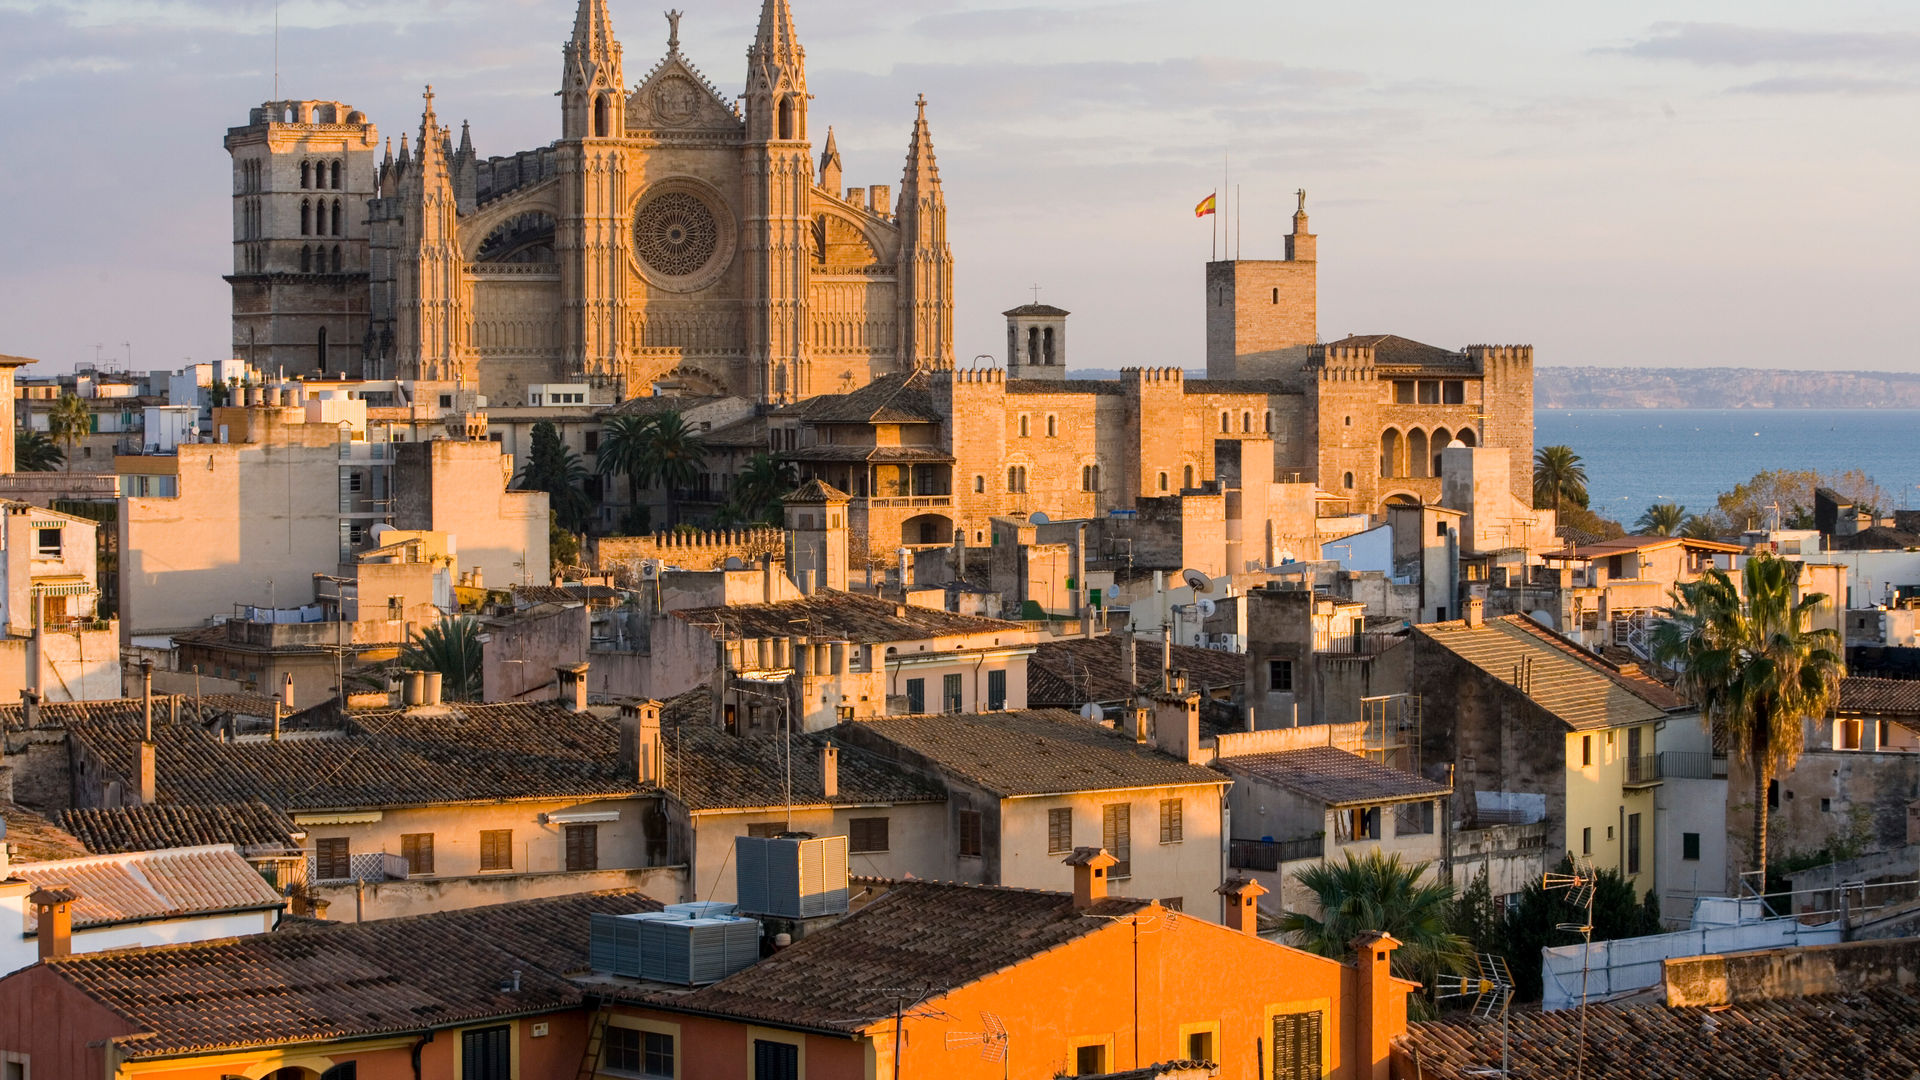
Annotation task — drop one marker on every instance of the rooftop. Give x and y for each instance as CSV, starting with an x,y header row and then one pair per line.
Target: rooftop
x,y
890,399
322,981
250,826
1641,544
1330,775
1067,673
34,837
1879,697
1584,691
917,934
844,616
1031,752
1392,350
1036,309
144,885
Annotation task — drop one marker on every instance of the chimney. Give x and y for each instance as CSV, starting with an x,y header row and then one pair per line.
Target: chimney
x,y
478,578
416,689
829,771
430,687
1249,725
1476,611
1136,722
286,692
30,708
1176,725
640,745
1382,1005
146,694
53,909
570,685
1242,903
1090,865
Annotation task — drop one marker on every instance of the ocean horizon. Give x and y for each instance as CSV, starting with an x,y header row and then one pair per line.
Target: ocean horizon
x,y
1637,457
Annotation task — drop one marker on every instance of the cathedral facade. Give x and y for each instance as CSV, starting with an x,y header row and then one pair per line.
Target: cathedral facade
x,y
669,238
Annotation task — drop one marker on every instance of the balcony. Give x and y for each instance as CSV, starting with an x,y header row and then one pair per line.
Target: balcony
x,y
929,502
1676,765
1267,855
1643,771
370,867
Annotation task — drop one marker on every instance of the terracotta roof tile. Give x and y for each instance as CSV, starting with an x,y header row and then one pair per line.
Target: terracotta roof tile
x,y
34,837
1066,673
845,616
249,826
1333,776
316,981
1879,697
154,884
1584,691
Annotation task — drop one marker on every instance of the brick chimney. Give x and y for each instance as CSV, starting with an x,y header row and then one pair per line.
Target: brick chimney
x,y
571,686
1176,723
640,745
53,910
1476,611
1242,903
829,771
1090,865
1381,1007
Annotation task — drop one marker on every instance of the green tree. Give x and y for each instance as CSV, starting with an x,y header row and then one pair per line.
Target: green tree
x,y
452,648
1752,505
1533,923
673,456
1661,519
555,469
1558,478
34,451
1700,527
1380,892
760,488
1750,658
623,452
563,546
68,422
1474,916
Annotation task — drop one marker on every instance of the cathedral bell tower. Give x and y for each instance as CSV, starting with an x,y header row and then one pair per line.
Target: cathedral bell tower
x,y
591,235
779,182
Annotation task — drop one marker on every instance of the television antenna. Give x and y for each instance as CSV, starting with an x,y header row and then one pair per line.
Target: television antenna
x,y
991,1039
1579,887
1491,987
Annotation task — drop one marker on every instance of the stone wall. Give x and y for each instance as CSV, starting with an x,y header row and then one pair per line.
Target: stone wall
x,y
1787,974
621,556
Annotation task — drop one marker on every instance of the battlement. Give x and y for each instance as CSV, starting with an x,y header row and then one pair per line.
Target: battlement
x,y
701,550
307,113
1172,376
1509,353
985,375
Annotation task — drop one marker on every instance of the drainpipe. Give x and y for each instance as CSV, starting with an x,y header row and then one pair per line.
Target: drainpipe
x,y
425,1038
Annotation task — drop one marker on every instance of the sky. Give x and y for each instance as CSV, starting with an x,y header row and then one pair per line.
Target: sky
x,y
1627,183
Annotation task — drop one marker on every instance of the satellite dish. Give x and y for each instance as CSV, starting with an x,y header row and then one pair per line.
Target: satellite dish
x,y
1038,517
1199,581
1205,607
1092,711
735,562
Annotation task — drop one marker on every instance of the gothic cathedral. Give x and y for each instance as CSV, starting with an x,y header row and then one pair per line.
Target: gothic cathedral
x,y
670,239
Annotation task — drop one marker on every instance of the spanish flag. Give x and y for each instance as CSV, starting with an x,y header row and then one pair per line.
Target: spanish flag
x,y
1205,207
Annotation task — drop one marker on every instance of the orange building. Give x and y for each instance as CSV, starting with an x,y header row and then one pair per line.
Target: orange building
x,y
952,977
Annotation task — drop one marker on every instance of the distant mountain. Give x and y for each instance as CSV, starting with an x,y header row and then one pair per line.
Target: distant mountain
x,y
1721,388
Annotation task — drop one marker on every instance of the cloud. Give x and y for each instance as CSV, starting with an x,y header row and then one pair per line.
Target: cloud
x,y
1826,84
1732,45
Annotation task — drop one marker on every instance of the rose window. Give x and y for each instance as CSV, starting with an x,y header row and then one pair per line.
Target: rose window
x,y
675,234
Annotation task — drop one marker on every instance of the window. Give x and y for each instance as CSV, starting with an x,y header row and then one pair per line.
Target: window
x,y
1089,478
643,1053
332,861
1453,392
1413,819
1276,299
1359,823
306,174
46,543
996,690
972,843
866,835
1053,426
1348,480
583,847
766,830
1296,1046
1089,1060
1403,393
1188,474
1226,422
417,849
1171,824
1023,426
346,1070
487,1054
1690,846
1246,423
1116,836
979,485
1586,750
496,849
1163,481
355,482
306,259
306,219
336,218
336,175
1059,830
1200,1043
916,695
1280,676
1586,841
1429,392
950,693
1633,843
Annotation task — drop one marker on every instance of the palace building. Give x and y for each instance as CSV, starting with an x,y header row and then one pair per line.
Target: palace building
x,y
671,237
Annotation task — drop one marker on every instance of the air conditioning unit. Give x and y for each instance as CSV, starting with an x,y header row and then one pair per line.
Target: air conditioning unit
x,y
791,877
674,946
613,941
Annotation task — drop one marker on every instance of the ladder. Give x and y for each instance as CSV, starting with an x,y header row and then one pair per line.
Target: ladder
x,y
596,1036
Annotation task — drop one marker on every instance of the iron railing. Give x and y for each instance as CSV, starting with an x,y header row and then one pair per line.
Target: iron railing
x,y
1683,765
1269,854
1644,769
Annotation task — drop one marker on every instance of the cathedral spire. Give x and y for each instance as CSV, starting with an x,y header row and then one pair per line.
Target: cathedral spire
x,y
926,262
466,139
776,96
776,43
433,144
830,165
922,172
592,32
592,89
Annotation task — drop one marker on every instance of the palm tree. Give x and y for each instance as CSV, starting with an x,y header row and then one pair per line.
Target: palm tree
x,y
1661,519
1558,476
760,488
452,648
1699,527
34,451
673,456
1749,656
623,447
1380,892
68,422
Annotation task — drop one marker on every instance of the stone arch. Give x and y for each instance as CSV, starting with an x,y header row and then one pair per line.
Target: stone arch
x,y
1399,498
523,238
1390,444
696,382
1467,437
1417,453
927,529
543,197
1440,440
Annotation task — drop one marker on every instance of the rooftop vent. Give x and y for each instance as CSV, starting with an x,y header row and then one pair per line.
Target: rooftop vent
x,y
791,877
673,946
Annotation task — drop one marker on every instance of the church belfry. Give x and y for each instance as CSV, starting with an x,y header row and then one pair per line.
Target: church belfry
x,y
592,90
779,228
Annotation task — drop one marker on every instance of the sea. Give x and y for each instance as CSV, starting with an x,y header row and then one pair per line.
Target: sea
x,y
1637,457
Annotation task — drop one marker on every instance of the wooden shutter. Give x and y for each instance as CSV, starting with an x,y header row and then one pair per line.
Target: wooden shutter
x,y
970,829
867,834
332,861
486,1054
417,849
775,1060
583,847
496,849
1059,830
1296,1046
1171,825
1116,829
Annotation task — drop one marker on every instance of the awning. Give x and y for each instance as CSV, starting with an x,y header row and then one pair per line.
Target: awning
x,y
350,817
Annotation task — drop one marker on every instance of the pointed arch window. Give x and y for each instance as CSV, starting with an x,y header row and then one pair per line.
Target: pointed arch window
x,y
601,117
336,217
306,174
306,217
786,117
336,258
306,259
336,176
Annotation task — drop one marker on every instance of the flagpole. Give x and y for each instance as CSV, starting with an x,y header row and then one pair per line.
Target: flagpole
x,y
1215,224
1226,179
1238,225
